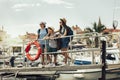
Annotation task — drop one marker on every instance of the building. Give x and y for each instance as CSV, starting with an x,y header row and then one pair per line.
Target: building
x,y
3,34
28,36
114,36
111,30
77,29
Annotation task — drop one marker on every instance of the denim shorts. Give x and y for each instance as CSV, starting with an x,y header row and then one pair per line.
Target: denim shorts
x,y
43,47
50,49
64,42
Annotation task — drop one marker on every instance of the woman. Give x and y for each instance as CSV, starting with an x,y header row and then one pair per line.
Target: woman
x,y
64,40
42,32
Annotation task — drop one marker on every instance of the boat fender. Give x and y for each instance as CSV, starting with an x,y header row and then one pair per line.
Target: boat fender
x,y
80,76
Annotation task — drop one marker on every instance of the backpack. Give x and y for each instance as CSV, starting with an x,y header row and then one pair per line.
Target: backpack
x,y
39,31
69,32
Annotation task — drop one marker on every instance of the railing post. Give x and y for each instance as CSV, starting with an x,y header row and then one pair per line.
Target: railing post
x,y
103,75
93,57
45,56
4,57
71,47
1,78
23,53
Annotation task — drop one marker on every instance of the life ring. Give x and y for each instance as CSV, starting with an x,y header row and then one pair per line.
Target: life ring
x,y
36,43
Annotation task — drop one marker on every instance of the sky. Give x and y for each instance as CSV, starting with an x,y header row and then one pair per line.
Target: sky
x,y
21,16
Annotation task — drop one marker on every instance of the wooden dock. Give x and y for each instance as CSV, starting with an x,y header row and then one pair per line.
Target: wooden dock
x,y
52,71
59,68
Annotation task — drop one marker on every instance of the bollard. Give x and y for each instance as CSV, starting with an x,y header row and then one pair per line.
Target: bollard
x,y
12,61
103,75
1,77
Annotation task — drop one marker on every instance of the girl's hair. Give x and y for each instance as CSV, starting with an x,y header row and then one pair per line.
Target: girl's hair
x,y
51,28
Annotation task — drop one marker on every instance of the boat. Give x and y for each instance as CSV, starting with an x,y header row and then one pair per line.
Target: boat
x,y
112,57
86,74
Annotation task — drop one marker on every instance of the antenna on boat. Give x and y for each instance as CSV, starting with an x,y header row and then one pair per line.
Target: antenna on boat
x,y
114,7
115,22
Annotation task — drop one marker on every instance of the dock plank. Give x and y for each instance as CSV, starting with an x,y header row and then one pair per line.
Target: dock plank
x,y
59,68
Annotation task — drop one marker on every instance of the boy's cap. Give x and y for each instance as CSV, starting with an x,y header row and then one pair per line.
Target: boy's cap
x,y
43,23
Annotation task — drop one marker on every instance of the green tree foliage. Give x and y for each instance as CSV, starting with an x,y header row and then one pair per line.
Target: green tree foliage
x,y
0,39
96,28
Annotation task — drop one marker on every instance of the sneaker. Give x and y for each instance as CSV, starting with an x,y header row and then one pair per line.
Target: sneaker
x,y
71,60
49,65
41,66
53,65
64,64
56,64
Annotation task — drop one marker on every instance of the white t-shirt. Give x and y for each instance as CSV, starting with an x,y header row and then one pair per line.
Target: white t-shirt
x,y
53,42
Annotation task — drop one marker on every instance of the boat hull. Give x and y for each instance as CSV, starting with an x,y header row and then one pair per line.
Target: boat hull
x,y
88,75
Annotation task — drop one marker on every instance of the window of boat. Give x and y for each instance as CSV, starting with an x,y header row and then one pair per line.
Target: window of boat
x,y
118,55
110,56
34,47
0,52
16,49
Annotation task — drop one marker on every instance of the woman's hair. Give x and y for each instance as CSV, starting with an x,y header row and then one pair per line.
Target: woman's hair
x,y
63,23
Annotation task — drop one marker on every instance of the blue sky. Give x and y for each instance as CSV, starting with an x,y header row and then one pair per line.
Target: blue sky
x,y
21,16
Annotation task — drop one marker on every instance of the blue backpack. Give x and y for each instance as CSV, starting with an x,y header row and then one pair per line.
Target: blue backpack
x,y
45,29
69,32
39,31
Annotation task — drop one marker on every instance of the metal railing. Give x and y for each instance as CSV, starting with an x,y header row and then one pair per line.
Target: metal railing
x,y
92,50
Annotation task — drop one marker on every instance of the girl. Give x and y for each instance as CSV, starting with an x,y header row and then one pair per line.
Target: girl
x,y
52,47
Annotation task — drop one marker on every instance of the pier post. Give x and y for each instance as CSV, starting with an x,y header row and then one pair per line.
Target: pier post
x,y
1,77
93,58
103,75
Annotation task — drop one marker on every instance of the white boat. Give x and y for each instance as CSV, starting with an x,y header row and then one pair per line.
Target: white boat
x,y
85,74
112,57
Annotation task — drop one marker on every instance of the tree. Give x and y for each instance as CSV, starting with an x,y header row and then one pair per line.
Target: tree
x,y
0,39
96,28
88,30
